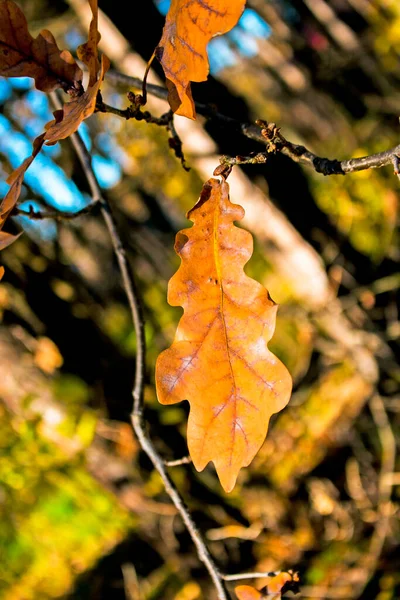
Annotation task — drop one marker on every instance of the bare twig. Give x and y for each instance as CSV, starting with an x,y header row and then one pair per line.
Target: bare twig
x,y
56,215
202,550
185,460
135,82
277,142
252,159
255,575
134,112
385,508
138,387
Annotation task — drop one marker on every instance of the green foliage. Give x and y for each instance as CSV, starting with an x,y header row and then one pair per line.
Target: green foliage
x,y
54,519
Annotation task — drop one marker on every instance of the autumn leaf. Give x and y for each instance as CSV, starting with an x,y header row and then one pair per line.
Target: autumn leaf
x,y
88,52
10,199
73,113
15,181
6,239
182,51
21,55
68,119
219,360
247,592
1,273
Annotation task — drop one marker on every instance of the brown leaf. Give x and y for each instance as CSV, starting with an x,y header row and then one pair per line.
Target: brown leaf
x,y
73,113
247,592
10,199
88,52
68,119
21,55
182,51
219,360
6,239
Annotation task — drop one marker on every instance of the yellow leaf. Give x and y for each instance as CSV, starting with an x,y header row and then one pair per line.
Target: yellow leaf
x,y
219,360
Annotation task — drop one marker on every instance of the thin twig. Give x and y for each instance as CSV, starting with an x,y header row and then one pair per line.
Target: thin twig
x,y
384,509
134,112
255,575
56,215
296,152
202,550
138,387
252,159
185,460
154,90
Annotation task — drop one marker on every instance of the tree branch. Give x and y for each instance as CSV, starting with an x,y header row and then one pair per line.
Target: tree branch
x,y
138,422
275,142
255,575
39,215
185,460
134,112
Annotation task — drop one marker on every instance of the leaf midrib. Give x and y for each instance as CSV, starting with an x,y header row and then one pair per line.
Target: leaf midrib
x,y
217,261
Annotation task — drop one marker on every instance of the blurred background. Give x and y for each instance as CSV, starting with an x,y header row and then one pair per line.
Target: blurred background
x,y
82,514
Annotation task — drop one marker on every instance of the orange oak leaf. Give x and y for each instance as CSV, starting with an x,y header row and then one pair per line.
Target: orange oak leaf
x,y
1,273
219,360
40,58
182,51
88,52
10,199
247,592
68,119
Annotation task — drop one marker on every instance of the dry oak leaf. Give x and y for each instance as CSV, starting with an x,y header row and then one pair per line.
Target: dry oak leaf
x,y
182,51
10,199
88,52
6,239
68,119
21,55
219,360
